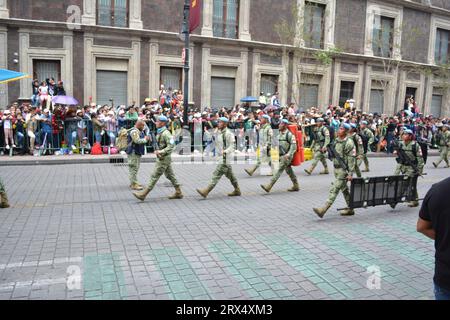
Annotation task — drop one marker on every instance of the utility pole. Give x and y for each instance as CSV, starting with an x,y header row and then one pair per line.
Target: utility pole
x,y
187,7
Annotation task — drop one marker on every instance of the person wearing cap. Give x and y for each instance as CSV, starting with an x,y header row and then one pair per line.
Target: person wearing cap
x,y
346,150
358,141
165,144
443,141
225,146
136,140
368,139
265,143
321,140
287,148
413,151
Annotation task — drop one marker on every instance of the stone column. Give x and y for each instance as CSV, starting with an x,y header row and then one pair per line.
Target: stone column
x,y
244,20
89,16
136,15
207,29
4,12
3,64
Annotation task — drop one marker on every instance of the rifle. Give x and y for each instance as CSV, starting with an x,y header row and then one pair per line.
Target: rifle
x,y
404,159
332,154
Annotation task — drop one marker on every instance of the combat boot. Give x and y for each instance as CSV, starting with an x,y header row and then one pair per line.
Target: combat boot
x,y
321,211
143,194
4,200
295,188
310,170
236,192
267,188
348,212
366,170
325,171
177,195
413,204
205,192
136,187
250,172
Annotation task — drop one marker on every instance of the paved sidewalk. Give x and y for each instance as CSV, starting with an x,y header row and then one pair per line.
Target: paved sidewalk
x,y
76,232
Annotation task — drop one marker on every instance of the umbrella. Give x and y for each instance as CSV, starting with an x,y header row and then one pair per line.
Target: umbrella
x,y
270,108
249,99
8,76
66,100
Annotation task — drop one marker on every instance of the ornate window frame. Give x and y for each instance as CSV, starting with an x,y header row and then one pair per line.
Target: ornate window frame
x,y
374,8
244,19
437,22
89,16
329,28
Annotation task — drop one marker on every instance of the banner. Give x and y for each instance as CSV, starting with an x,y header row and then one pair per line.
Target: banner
x,y
195,13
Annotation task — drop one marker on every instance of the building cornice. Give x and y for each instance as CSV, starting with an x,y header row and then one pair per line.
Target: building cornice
x,y
195,38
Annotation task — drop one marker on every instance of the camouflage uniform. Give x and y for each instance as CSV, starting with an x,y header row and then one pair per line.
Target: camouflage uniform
x,y
346,149
225,143
371,139
444,144
287,147
225,146
166,145
4,198
134,160
265,136
413,152
321,140
357,141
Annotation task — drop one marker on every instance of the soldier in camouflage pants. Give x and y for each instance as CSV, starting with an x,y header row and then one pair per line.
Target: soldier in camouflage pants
x,y
345,148
4,198
166,145
287,147
135,150
225,144
444,144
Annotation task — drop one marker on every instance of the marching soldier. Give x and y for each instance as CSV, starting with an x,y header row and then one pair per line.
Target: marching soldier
x,y
344,165
287,147
165,146
265,142
135,150
444,144
369,139
413,152
319,145
225,145
358,142
3,197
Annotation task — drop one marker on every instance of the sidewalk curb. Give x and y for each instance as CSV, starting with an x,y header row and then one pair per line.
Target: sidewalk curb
x,y
117,159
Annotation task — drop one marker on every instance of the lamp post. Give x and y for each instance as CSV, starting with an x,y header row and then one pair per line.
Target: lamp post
x,y
187,7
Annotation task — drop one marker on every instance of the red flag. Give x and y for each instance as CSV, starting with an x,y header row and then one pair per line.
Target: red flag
x,y
195,13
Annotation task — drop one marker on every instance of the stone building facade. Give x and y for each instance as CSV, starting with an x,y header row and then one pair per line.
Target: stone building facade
x,y
125,49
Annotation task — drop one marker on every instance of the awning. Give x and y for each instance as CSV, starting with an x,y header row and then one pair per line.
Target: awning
x,y
8,76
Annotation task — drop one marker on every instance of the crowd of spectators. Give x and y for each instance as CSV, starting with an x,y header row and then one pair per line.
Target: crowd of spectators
x,y
57,129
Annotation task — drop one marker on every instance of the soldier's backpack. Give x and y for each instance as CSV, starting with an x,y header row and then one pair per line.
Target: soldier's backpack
x,y
330,130
365,141
122,139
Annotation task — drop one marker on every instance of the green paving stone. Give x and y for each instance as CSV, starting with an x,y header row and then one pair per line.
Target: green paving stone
x,y
261,287
326,288
100,274
268,294
251,275
111,296
197,291
177,273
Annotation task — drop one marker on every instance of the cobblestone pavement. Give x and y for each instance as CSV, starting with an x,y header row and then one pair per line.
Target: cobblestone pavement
x,y
76,232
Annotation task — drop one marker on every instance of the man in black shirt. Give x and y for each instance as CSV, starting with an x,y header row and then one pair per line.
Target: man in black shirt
x,y
434,222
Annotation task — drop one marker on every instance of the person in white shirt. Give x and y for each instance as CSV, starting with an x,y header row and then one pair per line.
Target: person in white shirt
x,y
8,129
